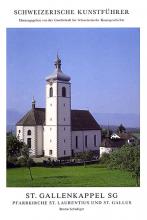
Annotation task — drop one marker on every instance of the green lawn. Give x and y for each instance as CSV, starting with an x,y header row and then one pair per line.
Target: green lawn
x,y
90,176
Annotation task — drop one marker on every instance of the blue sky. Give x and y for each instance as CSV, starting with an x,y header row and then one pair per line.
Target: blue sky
x,y
103,64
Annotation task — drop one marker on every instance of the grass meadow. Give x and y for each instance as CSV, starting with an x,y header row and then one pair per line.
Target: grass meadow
x,y
75,176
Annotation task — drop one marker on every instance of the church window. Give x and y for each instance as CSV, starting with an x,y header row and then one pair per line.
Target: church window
x,y
19,131
50,140
64,140
64,128
85,140
63,92
64,152
64,119
76,141
50,152
29,132
51,92
95,140
29,142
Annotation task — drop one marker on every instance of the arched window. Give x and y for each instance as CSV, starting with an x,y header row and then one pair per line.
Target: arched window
x,y
29,132
51,92
63,92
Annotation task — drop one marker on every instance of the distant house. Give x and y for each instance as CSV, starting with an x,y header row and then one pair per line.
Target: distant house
x,y
128,137
116,140
115,136
109,144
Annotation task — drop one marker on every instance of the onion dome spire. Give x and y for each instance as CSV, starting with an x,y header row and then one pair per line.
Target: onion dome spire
x,y
58,74
58,63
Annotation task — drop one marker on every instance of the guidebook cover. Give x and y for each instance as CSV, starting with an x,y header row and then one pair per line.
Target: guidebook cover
x,y
72,86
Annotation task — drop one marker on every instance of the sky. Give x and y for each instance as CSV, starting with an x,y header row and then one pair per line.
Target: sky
x,y
103,63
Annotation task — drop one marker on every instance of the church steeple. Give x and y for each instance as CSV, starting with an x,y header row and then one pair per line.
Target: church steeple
x,y
58,63
58,74
57,114
33,103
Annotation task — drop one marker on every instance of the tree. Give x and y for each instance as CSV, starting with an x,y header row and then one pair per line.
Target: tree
x,y
85,156
16,151
121,129
25,151
105,158
14,147
127,158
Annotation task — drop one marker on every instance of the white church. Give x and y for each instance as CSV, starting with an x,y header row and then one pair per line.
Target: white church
x,y
57,131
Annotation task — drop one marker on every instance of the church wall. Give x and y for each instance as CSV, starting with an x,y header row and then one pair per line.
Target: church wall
x,y
64,120
36,138
50,141
90,140
19,132
105,150
32,136
80,135
64,104
64,141
50,128
57,132
67,85
39,141
51,105
64,113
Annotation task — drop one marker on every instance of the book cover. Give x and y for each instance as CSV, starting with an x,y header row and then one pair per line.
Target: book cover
x,y
73,88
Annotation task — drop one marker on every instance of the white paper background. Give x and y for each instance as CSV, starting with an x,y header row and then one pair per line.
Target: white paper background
x,y
137,18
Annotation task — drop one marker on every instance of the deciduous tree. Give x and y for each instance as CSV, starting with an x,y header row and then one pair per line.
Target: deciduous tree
x,y
127,158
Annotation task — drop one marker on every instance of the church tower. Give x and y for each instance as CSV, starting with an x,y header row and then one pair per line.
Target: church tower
x,y
57,129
